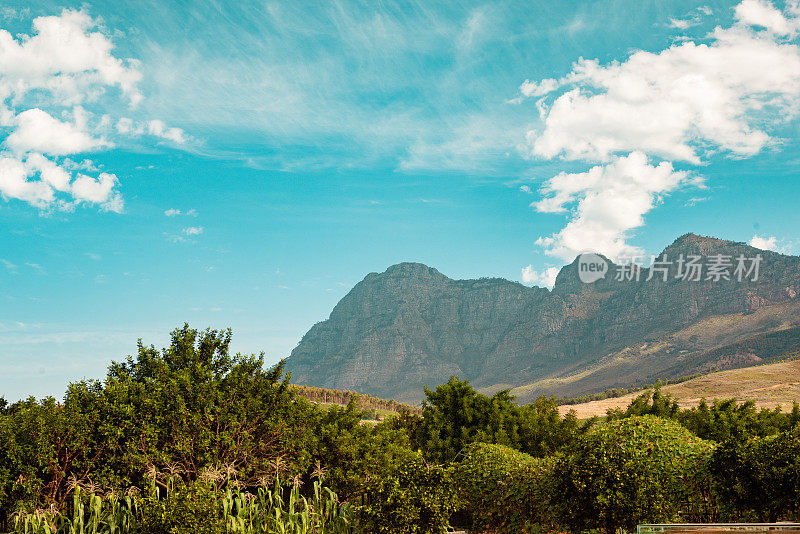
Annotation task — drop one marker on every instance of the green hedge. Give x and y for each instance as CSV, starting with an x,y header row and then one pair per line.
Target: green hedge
x,y
504,489
759,479
411,497
637,470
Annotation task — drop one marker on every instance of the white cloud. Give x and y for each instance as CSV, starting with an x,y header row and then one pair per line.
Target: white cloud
x,y
765,242
159,129
14,184
66,57
672,103
764,14
693,18
546,278
155,127
65,64
8,265
37,131
677,105
606,203
174,212
193,230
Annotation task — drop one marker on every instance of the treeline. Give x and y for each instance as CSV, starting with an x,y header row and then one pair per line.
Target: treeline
x,y
204,426
364,401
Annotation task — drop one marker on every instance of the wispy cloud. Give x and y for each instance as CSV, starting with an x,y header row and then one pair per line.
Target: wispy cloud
x,y
193,230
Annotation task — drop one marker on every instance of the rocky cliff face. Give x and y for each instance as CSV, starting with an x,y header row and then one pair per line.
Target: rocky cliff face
x,y
412,326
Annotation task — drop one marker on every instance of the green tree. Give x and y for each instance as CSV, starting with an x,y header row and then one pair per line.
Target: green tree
x,y
759,479
454,415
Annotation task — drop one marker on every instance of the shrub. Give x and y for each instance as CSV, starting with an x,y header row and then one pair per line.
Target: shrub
x,y
637,470
759,479
183,508
505,490
412,497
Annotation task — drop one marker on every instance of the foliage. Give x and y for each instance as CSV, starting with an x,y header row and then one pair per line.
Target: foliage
x,y
454,415
182,507
266,512
722,421
198,507
641,469
505,490
226,445
615,393
364,401
91,514
350,451
413,497
759,479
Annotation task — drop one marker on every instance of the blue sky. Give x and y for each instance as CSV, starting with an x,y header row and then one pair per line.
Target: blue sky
x,y
245,165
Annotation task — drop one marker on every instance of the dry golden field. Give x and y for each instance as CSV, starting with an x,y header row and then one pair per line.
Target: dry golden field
x,y
769,386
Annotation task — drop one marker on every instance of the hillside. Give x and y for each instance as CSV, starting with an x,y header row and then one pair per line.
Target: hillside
x,y
411,326
771,385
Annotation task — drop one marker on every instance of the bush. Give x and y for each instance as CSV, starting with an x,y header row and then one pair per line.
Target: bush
x,y
182,509
412,497
505,490
637,470
759,479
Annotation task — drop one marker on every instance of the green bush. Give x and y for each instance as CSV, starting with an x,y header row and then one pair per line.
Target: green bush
x,y
183,508
505,490
636,470
759,479
412,497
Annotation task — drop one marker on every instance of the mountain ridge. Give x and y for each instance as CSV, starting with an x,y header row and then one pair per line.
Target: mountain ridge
x,y
411,326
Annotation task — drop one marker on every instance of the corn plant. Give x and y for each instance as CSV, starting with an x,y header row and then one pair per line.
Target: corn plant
x,y
268,513
91,514
273,510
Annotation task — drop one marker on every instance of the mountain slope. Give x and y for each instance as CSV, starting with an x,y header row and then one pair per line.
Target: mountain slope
x,y
411,325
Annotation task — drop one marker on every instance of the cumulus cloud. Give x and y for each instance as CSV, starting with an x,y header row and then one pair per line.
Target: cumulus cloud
x,y
765,242
764,14
37,131
48,82
673,103
634,118
546,278
67,57
606,203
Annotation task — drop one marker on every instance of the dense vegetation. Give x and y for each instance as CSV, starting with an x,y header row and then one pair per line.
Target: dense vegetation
x,y
194,439
364,401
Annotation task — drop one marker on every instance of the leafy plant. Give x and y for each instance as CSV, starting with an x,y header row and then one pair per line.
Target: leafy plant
x,y
505,490
413,497
641,469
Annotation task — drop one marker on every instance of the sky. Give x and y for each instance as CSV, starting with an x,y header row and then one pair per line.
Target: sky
x,y
244,165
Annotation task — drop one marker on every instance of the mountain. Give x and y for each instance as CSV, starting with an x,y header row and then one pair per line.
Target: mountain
x,y
411,326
